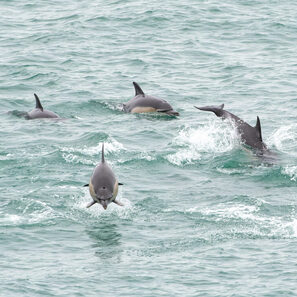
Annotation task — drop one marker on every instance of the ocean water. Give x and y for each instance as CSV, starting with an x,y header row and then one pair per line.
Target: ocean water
x,y
203,216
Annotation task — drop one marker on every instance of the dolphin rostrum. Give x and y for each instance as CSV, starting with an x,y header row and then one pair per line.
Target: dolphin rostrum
x,y
39,112
250,136
103,185
145,103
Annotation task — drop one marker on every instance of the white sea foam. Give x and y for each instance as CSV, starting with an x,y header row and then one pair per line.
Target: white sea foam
x,y
11,219
291,171
214,137
111,145
230,171
285,139
73,154
146,156
43,213
71,158
6,157
278,226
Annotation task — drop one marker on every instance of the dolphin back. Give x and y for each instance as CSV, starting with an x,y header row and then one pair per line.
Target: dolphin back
x,y
39,112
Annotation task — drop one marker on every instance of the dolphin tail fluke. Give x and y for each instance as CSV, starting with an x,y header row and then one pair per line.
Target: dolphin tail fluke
x,y
38,104
91,204
137,88
258,128
102,160
218,110
118,203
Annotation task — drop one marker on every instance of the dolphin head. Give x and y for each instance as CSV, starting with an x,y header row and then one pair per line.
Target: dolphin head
x,y
164,107
172,112
104,195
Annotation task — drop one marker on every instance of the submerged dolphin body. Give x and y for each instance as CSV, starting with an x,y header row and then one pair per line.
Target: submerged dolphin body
x,y
39,112
146,103
103,185
250,136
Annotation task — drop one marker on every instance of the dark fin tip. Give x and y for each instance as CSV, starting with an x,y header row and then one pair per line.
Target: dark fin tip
x,y
102,160
258,128
86,185
120,184
138,90
38,103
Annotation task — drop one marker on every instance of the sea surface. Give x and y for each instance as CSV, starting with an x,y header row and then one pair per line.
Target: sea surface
x,y
202,214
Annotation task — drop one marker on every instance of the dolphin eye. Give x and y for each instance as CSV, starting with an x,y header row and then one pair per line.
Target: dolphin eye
x,y
103,188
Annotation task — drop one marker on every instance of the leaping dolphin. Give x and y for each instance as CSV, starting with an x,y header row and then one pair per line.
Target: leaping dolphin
x,y
146,103
251,136
39,112
103,185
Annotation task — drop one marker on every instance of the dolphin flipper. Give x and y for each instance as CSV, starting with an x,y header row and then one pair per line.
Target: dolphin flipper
x,y
118,203
91,203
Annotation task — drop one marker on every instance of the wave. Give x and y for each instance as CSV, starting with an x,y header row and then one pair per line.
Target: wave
x,y
290,171
212,138
29,212
285,139
73,154
248,220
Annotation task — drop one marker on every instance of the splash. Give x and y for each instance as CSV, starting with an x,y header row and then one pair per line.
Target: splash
x,y
82,155
213,138
285,139
110,146
291,171
97,210
249,220
33,212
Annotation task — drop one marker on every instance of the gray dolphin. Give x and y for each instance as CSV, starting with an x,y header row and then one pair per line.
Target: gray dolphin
x,y
251,136
103,185
39,112
146,103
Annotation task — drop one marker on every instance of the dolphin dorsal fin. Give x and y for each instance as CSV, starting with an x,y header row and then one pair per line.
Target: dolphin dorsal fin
x,y
102,160
138,90
38,104
222,106
258,128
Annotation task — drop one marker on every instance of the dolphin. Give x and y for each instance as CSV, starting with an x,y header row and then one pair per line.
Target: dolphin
x,y
103,185
250,136
146,103
39,112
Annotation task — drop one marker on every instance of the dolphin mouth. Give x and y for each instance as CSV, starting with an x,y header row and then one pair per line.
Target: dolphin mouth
x,y
104,202
170,112
173,113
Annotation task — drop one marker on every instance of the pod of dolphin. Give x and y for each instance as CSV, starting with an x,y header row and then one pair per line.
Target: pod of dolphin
x,y
103,185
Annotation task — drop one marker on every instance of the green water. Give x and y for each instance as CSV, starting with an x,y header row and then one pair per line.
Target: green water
x,y
203,216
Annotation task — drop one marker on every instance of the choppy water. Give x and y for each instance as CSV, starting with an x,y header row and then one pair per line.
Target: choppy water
x,y
202,216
